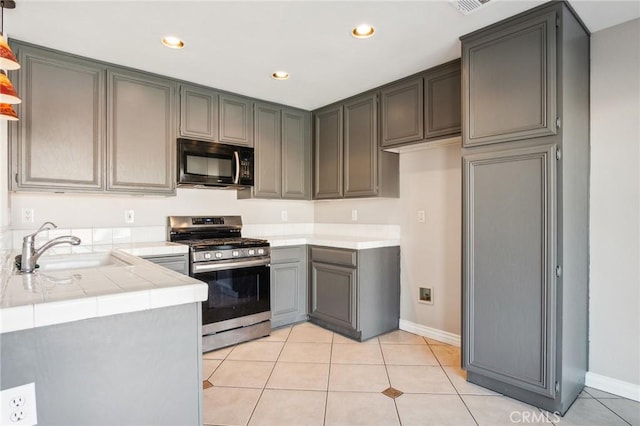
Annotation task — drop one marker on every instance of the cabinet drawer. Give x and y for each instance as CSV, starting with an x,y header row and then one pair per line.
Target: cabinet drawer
x,y
335,256
287,254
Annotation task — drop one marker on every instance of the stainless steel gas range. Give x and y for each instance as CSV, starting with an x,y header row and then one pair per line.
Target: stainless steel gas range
x,y
237,272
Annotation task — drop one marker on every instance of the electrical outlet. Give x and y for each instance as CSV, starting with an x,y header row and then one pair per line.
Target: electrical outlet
x,y
284,215
27,215
426,295
129,216
421,216
18,406
354,215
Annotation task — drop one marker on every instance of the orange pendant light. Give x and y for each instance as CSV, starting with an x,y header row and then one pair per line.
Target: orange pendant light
x,y
8,60
8,113
8,94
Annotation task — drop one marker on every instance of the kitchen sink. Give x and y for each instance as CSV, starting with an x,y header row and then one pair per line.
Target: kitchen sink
x,y
63,262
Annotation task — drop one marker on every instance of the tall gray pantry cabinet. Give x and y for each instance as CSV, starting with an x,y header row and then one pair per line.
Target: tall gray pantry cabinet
x,y
525,85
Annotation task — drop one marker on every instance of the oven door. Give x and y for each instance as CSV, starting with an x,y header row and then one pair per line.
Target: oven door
x,y
235,291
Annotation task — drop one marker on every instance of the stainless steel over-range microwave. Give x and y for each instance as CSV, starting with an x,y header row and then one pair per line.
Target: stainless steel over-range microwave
x,y
214,164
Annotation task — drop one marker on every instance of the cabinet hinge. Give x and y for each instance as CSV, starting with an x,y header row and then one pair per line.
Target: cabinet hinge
x,y
557,387
558,122
558,271
558,155
557,21
17,178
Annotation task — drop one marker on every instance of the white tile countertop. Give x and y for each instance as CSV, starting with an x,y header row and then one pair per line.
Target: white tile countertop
x,y
127,284
338,241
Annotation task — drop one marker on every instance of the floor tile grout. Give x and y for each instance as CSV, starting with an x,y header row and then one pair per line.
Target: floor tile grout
x,y
613,411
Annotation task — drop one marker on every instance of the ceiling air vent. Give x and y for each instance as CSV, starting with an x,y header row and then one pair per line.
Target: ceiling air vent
x,y
467,6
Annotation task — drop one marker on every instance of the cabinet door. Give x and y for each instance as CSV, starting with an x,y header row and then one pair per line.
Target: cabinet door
x,y
287,298
328,153
509,82
361,147
509,263
198,113
236,120
442,113
268,151
333,294
402,112
141,135
60,137
296,154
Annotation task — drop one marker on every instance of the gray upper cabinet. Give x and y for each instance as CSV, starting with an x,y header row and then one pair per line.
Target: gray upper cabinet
x,y
49,138
268,151
198,113
402,112
511,290
361,146
235,120
141,132
328,154
510,82
422,108
296,154
442,112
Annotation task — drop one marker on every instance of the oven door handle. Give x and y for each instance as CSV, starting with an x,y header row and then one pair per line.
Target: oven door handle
x,y
237,176
210,267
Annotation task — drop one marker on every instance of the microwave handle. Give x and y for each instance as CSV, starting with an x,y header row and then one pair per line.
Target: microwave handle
x,y
237,176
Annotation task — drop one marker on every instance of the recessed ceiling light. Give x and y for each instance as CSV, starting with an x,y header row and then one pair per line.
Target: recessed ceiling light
x,y
280,75
363,31
173,42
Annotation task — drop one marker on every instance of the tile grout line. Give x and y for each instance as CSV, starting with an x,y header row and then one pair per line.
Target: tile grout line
x,y
384,361
605,406
267,381
452,385
326,396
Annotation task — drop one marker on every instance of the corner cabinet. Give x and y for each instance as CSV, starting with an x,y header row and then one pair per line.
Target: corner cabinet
x,y
282,138
48,138
140,132
288,285
347,160
355,292
422,108
525,206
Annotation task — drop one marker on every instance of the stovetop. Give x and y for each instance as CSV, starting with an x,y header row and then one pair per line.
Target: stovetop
x,y
224,243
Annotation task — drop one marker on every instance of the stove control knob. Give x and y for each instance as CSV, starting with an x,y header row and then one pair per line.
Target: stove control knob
x,y
207,255
260,251
252,252
218,255
235,253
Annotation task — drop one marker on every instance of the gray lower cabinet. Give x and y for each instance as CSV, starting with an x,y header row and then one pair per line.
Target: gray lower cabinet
x,y
235,120
198,113
140,132
510,88
355,292
175,262
282,153
421,108
525,266
347,159
49,138
288,285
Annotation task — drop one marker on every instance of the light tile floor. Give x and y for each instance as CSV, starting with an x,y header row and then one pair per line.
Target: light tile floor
x,y
306,375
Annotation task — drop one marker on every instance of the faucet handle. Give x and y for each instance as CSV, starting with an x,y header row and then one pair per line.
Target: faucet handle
x,y
45,226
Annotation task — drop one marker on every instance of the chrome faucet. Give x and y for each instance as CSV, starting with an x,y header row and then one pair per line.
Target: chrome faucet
x,y
30,254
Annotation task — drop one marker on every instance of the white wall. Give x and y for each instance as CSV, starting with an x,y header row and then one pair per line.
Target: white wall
x,y
430,180
614,317
86,211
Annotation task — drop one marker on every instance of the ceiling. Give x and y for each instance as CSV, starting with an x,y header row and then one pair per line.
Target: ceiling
x,y
237,45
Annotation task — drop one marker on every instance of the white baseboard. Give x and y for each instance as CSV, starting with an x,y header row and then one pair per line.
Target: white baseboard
x,y
611,385
431,333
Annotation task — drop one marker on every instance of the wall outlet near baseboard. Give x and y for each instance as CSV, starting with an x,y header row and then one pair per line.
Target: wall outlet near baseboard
x,y
354,215
426,295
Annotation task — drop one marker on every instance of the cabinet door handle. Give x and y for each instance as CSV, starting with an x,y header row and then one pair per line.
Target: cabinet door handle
x,y
237,176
